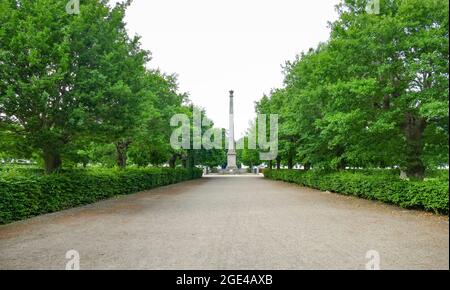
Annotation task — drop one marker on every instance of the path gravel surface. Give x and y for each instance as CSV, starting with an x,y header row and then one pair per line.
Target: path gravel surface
x,y
227,222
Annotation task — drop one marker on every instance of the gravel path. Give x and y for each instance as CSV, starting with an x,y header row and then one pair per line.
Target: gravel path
x,y
225,222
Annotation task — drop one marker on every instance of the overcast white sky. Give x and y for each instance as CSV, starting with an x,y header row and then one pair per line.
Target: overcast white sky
x,y
218,45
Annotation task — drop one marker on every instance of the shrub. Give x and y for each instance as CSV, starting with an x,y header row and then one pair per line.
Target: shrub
x,y
26,195
431,195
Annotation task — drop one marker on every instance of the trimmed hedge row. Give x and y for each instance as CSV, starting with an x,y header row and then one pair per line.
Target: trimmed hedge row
x,y
429,195
24,196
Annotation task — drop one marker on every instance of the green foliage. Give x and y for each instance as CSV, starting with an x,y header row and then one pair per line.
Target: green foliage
x,y
74,89
24,194
247,156
150,141
431,195
67,76
374,95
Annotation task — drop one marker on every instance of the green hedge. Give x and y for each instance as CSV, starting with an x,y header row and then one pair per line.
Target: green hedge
x,y
431,195
26,195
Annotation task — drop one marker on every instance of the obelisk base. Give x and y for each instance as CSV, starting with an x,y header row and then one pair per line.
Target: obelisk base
x,y
231,164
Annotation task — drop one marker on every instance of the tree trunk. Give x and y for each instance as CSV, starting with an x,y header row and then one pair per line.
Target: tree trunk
x,y
307,166
278,162
342,165
270,164
290,162
122,148
190,160
52,160
414,128
173,161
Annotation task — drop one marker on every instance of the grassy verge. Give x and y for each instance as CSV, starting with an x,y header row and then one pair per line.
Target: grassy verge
x,y
27,194
430,195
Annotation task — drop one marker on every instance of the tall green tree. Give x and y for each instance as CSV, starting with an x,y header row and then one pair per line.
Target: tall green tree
x,y
151,140
394,79
374,95
65,76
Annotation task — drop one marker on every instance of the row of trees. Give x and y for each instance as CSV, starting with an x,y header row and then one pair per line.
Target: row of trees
x,y
76,88
374,95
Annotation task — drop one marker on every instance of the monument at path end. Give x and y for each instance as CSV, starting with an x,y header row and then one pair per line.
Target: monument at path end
x,y
231,164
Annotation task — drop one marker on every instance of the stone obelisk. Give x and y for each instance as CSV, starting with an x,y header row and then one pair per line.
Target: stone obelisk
x,y
231,165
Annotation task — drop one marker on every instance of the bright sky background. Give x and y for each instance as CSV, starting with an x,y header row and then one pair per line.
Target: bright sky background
x,y
218,45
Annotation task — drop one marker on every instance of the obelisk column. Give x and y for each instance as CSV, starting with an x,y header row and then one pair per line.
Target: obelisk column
x,y
231,144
